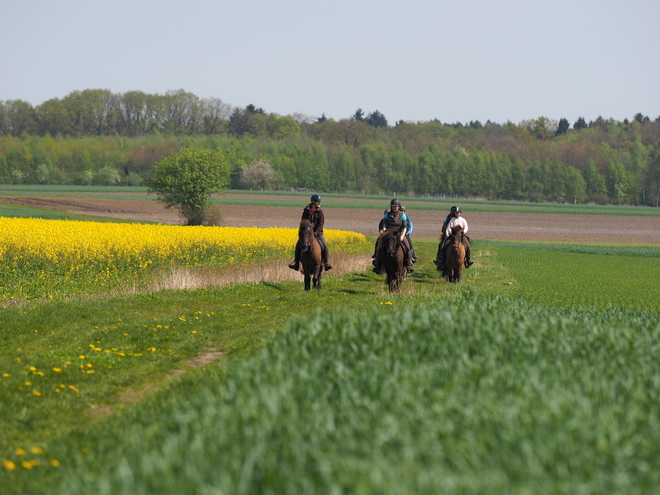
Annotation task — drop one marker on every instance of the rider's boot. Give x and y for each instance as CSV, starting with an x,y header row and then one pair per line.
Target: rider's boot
x,y
468,262
376,267
440,262
295,265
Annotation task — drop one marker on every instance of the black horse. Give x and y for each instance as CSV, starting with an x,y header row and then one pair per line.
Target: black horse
x,y
392,259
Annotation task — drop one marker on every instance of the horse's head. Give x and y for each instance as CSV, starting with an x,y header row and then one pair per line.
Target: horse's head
x,y
306,233
390,240
457,232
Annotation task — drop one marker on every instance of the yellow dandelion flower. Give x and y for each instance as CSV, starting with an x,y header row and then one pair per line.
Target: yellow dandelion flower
x,y
57,370
26,465
19,451
37,393
54,463
71,387
32,368
29,384
9,465
37,450
6,375
81,356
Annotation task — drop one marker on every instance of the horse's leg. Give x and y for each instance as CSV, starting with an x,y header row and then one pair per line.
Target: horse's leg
x,y
308,279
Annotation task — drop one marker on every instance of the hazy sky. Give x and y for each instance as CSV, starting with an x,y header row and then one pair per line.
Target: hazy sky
x,y
455,60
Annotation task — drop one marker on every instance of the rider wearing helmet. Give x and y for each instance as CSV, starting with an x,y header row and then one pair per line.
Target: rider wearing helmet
x,y
394,218
314,214
408,233
454,218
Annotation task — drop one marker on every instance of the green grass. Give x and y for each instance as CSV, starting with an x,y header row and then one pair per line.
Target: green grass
x,y
537,374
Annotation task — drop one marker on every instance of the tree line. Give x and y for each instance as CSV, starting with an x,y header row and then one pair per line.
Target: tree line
x,y
97,137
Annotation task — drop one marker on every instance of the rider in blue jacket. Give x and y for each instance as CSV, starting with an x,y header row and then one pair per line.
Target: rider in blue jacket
x,y
394,218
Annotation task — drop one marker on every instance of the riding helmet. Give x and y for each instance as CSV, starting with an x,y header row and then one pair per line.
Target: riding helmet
x,y
315,197
456,209
395,202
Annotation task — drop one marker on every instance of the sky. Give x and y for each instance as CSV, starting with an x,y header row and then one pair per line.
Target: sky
x,y
412,60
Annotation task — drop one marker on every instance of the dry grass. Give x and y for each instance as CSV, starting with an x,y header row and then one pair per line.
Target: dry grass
x,y
187,278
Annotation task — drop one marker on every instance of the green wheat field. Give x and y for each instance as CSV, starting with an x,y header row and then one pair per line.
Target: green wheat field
x,y
538,373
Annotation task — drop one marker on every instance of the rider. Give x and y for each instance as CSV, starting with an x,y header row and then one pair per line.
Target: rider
x,y
443,235
408,233
394,218
456,219
314,214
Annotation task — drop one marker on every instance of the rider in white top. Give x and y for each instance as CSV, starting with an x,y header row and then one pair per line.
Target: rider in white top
x,y
457,219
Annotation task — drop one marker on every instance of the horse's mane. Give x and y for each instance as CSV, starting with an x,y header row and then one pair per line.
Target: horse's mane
x,y
457,232
390,241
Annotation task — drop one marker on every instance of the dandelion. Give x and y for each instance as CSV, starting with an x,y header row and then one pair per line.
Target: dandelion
x,y
26,464
36,450
54,463
81,356
71,387
9,465
6,375
57,370
19,451
28,384
32,368
37,393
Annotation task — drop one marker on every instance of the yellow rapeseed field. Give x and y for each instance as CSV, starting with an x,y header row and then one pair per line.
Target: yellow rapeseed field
x,y
51,252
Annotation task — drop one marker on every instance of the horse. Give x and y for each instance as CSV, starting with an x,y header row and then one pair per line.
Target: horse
x,y
311,259
393,259
455,257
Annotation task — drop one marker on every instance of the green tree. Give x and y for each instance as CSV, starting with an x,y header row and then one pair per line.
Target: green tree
x,y
562,127
580,123
376,119
186,180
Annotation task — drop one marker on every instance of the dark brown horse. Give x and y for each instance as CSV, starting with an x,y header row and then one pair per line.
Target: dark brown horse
x,y
393,259
311,261
455,258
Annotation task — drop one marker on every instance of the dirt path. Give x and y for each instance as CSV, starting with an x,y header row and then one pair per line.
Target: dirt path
x,y
524,227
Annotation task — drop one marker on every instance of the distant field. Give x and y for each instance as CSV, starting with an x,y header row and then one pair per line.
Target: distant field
x,y
291,199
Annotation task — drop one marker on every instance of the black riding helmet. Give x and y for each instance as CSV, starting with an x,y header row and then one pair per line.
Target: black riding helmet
x,y
395,202
315,197
456,209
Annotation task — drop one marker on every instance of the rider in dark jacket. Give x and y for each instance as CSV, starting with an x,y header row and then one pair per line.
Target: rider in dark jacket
x,y
314,214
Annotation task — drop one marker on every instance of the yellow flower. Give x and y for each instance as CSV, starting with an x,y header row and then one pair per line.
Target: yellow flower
x,y
6,375
81,356
37,450
27,464
37,393
55,463
29,384
10,465
57,370
32,368
19,451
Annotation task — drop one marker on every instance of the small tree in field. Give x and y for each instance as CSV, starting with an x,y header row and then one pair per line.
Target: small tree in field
x,y
186,180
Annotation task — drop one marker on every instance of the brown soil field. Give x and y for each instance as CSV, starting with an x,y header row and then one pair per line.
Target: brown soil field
x,y
495,226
